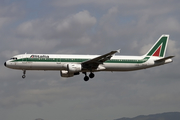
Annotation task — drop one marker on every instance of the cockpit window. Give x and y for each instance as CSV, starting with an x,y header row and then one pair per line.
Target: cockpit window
x,y
14,58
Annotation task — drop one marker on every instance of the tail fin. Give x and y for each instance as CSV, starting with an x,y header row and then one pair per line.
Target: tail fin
x,y
159,48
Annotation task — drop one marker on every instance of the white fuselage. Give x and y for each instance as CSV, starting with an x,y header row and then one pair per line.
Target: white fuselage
x,y
60,62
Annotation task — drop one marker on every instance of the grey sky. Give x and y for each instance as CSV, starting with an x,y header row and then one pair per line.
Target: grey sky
x,y
88,27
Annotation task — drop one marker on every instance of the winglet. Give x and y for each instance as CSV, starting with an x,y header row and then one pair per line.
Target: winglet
x,y
119,50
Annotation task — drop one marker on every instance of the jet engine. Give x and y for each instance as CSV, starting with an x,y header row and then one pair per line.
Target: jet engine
x,y
72,69
65,73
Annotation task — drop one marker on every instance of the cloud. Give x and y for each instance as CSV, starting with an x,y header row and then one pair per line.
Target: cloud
x,y
33,96
8,54
173,48
50,27
51,33
38,96
9,13
70,3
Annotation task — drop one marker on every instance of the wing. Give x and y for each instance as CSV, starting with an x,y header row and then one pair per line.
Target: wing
x,y
94,63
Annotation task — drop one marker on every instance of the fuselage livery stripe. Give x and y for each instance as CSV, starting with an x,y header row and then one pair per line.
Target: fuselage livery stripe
x,y
79,60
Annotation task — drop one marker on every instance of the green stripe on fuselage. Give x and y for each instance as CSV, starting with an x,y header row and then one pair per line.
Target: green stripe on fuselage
x,y
79,60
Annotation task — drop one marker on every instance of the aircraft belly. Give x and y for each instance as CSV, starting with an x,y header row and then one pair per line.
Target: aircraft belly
x,y
46,66
39,66
120,67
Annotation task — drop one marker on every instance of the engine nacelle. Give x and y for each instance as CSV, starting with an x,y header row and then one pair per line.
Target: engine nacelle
x,y
65,73
74,68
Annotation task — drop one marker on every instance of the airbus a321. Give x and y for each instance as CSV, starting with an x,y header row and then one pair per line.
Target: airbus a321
x,y
70,65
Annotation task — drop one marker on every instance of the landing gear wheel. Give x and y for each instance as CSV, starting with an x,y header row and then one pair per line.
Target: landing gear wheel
x,y
23,76
86,78
91,75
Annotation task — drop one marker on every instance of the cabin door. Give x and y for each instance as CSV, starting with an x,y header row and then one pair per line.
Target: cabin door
x,y
24,59
58,60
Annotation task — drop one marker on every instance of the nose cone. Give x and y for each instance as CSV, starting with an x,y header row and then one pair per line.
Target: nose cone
x,y
5,64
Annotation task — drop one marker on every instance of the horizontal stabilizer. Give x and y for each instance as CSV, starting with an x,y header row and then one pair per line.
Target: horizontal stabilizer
x,y
163,59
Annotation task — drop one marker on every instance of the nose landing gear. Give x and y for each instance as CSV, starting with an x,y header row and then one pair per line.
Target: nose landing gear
x,y
24,74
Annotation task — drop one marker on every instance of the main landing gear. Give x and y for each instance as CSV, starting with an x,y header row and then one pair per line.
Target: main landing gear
x,y
24,74
86,78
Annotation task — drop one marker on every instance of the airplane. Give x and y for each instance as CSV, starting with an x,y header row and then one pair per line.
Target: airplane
x,y
70,65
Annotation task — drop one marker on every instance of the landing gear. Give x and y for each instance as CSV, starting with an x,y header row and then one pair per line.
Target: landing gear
x,y
24,74
91,75
86,78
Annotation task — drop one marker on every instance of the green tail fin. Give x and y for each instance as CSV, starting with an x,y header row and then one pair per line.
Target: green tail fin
x,y
159,48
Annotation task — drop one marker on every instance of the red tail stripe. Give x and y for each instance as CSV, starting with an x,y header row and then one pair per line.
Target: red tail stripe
x,y
157,52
